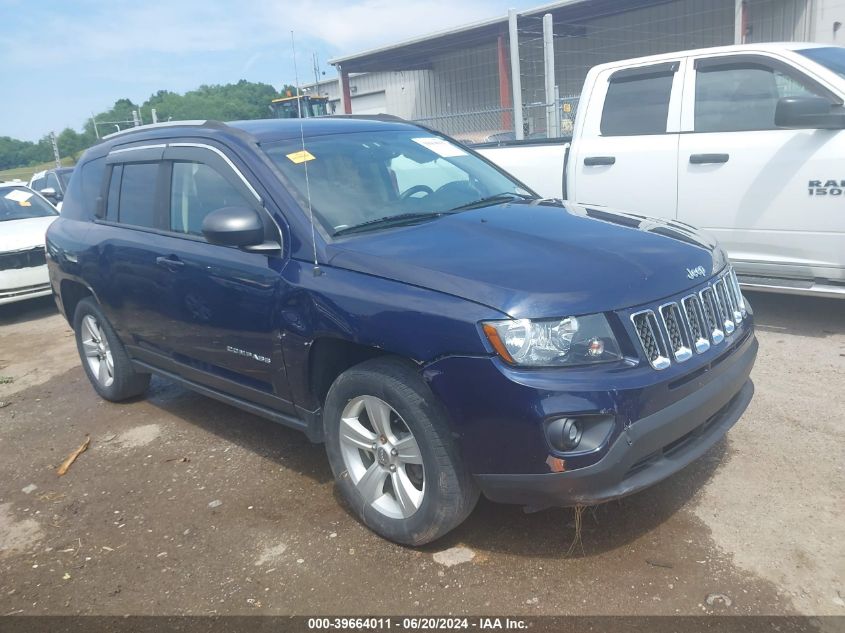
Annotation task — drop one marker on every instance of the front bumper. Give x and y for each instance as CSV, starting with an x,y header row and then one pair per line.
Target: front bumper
x,y
664,421
24,283
646,452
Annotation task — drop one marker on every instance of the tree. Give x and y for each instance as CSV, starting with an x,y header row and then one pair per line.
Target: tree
x,y
228,102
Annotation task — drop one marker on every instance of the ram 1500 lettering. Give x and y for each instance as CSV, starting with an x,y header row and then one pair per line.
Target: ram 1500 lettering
x,y
745,142
443,330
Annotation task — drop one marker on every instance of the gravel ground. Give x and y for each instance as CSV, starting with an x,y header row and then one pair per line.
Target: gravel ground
x,y
182,505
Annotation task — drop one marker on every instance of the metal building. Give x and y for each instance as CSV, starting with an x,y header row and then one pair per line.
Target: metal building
x,y
460,80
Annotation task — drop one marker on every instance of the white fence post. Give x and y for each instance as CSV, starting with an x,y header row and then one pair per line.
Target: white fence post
x,y
516,81
552,119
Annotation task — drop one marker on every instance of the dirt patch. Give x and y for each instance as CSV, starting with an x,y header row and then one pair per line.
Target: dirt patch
x,y
271,554
36,344
137,437
776,502
17,535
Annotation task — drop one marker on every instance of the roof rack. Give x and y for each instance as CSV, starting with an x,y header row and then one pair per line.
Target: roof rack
x,y
377,117
153,126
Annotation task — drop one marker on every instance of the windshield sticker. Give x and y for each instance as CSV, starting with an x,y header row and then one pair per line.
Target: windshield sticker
x,y
20,196
300,157
440,146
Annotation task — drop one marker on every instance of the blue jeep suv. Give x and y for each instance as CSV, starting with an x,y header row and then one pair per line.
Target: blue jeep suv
x,y
393,294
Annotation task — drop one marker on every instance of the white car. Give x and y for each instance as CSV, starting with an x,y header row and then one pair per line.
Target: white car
x,y
24,218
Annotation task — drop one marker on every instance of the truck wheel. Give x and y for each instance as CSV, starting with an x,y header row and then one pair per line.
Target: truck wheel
x,y
392,453
103,356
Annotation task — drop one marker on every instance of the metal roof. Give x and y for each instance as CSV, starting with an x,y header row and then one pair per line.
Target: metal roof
x,y
417,53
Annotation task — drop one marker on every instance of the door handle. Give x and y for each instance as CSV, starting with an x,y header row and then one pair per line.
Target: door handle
x,y
591,161
706,159
171,263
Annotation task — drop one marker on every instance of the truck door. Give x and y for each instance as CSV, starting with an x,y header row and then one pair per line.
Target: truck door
x,y
626,146
773,197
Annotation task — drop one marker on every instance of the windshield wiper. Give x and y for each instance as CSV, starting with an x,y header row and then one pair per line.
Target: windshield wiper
x,y
488,200
387,221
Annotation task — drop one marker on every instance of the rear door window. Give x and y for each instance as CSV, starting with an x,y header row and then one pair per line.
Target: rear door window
x,y
637,106
136,206
113,200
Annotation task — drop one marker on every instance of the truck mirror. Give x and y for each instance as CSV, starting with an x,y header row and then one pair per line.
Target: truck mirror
x,y
49,193
808,112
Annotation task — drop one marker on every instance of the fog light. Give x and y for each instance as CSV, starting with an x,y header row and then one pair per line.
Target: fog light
x,y
580,434
570,434
565,434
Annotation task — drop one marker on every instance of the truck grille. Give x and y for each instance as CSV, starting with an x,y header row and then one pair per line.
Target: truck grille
x,y
23,259
680,329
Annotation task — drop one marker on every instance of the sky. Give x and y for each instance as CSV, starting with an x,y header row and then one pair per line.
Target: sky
x,y
61,60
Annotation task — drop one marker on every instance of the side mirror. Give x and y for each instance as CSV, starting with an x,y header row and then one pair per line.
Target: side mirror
x,y
50,194
808,112
233,226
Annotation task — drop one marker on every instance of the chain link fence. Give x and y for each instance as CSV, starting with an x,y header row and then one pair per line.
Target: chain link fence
x,y
493,125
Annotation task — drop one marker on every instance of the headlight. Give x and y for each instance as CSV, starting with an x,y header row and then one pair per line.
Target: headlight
x,y
553,342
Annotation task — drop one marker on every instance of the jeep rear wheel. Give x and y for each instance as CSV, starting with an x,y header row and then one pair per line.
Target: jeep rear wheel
x,y
392,454
103,356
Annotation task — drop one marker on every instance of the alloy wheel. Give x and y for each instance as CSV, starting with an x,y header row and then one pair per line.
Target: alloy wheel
x,y
97,352
382,457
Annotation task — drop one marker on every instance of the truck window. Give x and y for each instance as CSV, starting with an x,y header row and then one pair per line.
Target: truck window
x,y
197,190
637,106
137,194
53,181
741,97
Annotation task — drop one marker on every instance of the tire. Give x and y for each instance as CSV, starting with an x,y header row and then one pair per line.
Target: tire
x,y
375,482
103,356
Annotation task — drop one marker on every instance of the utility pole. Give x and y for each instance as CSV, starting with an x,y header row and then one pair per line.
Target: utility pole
x,y
94,121
154,115
55,149
316,62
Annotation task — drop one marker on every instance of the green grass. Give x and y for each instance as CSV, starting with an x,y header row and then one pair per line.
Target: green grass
x,y
25,173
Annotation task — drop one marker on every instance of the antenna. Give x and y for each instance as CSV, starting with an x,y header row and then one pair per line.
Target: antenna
x,y
317,271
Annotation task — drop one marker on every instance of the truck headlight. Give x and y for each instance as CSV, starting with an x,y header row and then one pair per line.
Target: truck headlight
x,y
553,342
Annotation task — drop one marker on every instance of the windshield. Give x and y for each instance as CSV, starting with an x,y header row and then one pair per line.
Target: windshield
x,y
363,177
831,57
19,203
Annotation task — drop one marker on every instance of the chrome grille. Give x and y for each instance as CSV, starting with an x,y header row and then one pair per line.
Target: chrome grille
x,y
677,330
736,293
651,338
697,324
711,313
725,310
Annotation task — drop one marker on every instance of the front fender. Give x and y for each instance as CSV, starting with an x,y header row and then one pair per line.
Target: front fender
x,y
389,316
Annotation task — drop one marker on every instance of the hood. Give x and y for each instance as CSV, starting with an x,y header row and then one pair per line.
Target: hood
x,y
18,235
539,259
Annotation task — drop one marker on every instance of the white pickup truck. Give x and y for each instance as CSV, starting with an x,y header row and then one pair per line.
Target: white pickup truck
x,y
747,142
